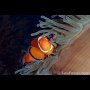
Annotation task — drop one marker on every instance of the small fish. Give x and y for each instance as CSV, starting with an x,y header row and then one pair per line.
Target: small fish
x,y
45,45
41,48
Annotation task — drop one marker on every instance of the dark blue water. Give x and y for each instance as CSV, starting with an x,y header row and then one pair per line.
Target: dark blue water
x,y
15,33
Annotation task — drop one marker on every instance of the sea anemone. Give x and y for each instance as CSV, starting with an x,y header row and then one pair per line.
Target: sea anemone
x,y
65,28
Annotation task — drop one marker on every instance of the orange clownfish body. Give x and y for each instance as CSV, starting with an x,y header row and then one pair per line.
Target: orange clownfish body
x,y
27,58
45,45
41,48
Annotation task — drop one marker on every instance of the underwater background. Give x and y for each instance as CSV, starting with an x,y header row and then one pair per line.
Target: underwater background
x,y
15,36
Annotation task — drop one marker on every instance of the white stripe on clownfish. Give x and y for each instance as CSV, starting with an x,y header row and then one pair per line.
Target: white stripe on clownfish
x,y
45,51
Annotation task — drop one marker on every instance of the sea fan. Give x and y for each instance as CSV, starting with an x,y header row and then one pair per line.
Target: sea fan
x,y
65,28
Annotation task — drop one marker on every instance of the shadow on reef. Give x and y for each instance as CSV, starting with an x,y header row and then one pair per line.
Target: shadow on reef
x,y
14,36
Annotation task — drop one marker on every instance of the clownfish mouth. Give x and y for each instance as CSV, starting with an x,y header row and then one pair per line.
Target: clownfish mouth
x,y
45,51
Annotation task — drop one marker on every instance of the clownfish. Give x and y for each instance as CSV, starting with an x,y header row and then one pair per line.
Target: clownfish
x,y
41,48
45,45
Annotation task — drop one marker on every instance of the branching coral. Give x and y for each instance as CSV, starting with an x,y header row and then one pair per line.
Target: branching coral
x,y
65,28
